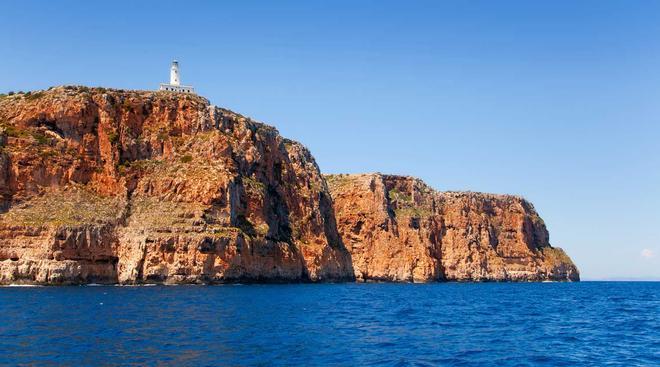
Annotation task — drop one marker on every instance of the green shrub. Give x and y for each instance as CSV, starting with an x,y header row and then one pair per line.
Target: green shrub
x,y
186,158
126,104
262,229
13,131
163,135
33,96
40,138
254,185
398,196
122,169
113,137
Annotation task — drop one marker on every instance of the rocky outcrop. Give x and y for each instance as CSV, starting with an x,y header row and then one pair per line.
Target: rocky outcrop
x,y
399,229
131,187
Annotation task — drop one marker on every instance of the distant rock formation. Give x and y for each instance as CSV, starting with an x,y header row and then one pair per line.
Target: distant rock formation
x,y
399,229
129,187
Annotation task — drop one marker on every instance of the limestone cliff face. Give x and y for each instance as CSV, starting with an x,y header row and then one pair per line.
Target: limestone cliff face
x,y
399,229
114,186
129,187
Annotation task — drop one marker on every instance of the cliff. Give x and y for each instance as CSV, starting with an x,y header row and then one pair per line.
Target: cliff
x,y
130,187
399,229
112,186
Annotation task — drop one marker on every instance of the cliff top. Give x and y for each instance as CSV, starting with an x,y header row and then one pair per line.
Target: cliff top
x,y
73,90
28,109
21,100
339,178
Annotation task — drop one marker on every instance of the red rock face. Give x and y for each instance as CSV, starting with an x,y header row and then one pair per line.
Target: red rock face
x,y
113,186
399,229
129,187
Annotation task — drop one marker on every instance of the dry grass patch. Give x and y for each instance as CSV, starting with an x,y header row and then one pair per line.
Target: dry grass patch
x,y
337,182
556,255
169,216
71,206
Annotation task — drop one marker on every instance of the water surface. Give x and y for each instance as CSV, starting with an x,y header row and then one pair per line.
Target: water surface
x,y
496,324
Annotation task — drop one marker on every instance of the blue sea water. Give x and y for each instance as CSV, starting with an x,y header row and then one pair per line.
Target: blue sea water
x,y
452,324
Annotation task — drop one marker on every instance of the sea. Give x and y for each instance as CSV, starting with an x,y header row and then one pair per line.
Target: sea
x,y
440,324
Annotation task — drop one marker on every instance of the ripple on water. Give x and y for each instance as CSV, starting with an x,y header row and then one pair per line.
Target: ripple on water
x,y
334,324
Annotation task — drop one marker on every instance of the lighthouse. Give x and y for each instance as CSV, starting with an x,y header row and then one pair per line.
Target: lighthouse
x,y
175,84
174,73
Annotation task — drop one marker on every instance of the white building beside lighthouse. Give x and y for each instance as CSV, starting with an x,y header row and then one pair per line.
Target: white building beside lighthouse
x,y
175,84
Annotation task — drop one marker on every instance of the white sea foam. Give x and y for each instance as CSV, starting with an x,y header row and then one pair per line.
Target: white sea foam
x,y
23,285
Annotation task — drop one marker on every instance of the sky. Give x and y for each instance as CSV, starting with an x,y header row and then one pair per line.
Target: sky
x,y
557,101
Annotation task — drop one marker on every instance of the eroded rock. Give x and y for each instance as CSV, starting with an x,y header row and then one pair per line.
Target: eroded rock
x,y
113,186
399,229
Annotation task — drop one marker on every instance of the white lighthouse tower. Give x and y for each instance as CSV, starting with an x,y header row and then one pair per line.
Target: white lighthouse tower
x,y
174,73
175,83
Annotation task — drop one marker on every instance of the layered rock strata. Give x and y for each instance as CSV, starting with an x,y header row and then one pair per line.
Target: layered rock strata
x,y
129,187
399,229
114,186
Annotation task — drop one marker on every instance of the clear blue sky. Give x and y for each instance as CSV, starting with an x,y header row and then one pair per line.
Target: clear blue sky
x,y
558,101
